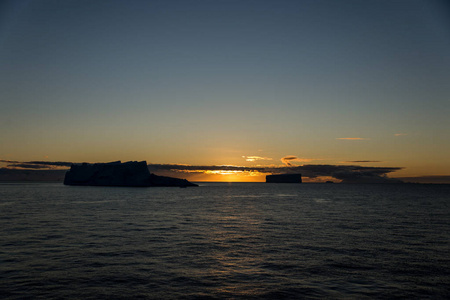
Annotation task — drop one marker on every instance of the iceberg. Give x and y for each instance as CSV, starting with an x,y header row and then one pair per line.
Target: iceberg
x,y
131,174
284,178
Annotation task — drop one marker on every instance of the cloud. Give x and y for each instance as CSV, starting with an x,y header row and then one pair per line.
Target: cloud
x,y
52,163
400,134
436,179
363,161
364,177
287,160
352,139
9,161
335,170
200,169
28,166
36,164
255,158
346,173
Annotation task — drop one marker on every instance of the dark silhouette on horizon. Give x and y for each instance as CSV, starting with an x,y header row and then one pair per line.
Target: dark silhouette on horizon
x,y
129,174
284,178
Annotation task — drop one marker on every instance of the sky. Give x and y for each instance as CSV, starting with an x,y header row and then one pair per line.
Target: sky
x,y
222,82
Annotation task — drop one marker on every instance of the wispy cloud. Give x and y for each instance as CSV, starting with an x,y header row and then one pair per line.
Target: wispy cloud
x,y
255,158
9,161
363,161
400,134
36,164
352,139
288,159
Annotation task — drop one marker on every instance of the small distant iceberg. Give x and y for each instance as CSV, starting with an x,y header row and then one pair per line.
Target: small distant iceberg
x,y
128,174
284,178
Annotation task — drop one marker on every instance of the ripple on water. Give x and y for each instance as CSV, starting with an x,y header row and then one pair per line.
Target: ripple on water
x,y
225,241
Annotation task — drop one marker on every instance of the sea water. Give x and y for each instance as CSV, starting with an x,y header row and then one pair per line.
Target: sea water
x,y
220,240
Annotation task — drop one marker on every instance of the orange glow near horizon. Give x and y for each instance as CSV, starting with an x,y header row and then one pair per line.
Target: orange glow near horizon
x,y
235,173
241,176
232,176
259,178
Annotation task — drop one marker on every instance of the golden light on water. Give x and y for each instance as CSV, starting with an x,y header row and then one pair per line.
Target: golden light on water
x,y
233,228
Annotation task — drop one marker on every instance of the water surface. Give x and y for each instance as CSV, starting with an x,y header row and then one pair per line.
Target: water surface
x,y
221,240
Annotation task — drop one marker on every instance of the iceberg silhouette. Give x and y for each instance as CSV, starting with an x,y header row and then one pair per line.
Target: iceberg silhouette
x,y
131,174
284,178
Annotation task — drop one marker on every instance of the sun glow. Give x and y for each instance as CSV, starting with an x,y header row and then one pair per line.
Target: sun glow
x,y
234,175
227,176
228,172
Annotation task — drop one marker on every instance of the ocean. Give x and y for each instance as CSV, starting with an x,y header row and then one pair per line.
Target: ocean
x,y
225,241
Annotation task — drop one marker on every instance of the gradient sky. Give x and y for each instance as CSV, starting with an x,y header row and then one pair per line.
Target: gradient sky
x,y
213,82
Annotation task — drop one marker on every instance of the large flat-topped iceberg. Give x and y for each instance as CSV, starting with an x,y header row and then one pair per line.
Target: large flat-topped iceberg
x,y
132,173
284,178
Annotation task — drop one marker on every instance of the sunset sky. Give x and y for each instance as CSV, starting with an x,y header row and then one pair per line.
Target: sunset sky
x,y
222,82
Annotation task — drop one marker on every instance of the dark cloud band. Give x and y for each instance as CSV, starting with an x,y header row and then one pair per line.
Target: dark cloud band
x,y
346,173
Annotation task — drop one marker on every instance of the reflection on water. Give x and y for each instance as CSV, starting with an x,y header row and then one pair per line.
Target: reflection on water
x,y
321,200
235,235
225,241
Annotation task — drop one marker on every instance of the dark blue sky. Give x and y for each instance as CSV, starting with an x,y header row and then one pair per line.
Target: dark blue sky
x,y
207,82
